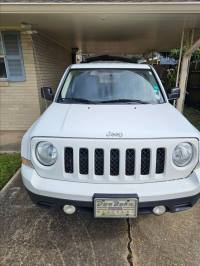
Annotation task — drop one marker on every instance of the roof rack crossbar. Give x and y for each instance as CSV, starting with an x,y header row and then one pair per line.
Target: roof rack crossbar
x,y
108,58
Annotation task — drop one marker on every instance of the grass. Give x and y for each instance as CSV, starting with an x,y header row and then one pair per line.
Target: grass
x,y
9,163
193,115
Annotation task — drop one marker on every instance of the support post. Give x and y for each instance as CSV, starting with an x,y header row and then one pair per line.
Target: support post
x,y
180,58
184,74
183,82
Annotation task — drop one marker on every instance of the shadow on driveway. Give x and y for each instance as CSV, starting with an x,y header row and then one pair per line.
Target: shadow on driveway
x,y
33,235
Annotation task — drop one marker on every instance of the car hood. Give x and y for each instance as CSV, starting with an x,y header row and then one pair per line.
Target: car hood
x,y
113,121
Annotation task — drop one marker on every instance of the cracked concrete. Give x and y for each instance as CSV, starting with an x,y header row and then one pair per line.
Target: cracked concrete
x,y
129,245
171,239
32,235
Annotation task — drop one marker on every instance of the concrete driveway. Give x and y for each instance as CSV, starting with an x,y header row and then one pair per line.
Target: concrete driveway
x,y
31,235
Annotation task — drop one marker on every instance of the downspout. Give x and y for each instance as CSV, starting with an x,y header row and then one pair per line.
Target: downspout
x,y
184,74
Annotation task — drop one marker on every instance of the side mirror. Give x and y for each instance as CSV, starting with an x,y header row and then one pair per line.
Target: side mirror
x,y
47,93
174,94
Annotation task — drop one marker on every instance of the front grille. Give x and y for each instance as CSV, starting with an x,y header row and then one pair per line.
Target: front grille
x,y
114,164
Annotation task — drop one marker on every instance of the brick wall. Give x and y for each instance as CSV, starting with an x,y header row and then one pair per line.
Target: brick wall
x,y
20,102
51,61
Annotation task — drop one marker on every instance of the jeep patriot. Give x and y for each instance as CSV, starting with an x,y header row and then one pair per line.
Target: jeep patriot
x,y
112,143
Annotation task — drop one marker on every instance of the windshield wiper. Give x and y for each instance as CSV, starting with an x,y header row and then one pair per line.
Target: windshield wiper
x,y
125,101
86,101
75,100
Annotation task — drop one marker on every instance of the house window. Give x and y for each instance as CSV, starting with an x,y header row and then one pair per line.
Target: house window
x,y
11,59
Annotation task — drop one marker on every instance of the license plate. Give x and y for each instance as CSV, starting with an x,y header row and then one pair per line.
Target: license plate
x,y
115,207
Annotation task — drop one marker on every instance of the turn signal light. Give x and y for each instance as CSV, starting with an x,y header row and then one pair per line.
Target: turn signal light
x,y
27,162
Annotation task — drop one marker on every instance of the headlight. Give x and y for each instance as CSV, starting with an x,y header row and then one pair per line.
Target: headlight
x,y
182,154
46,153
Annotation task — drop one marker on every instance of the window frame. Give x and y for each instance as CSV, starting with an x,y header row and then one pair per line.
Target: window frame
x,y
11,77
4,57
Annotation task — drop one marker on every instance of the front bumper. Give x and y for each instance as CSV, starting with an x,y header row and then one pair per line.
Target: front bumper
x,y
176,195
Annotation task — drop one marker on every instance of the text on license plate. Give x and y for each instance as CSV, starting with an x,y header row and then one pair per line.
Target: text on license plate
x,y
115,207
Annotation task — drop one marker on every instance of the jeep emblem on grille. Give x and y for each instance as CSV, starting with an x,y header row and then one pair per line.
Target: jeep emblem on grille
x,y
111,134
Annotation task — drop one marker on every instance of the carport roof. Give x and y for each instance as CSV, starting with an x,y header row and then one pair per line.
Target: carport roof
x,y
98,1
109,27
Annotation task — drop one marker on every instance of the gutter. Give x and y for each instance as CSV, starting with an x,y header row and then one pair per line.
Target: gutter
x,y
102,7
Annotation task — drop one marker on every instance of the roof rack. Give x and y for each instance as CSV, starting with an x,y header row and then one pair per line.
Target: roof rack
x,y
108,58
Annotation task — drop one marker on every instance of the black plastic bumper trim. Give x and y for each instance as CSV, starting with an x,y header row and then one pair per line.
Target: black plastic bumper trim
x,y
172,205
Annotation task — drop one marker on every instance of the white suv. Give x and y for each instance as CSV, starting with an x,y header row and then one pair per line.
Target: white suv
x,y
111,142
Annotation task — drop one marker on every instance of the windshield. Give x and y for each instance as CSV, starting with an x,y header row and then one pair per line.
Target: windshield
x,y
111,85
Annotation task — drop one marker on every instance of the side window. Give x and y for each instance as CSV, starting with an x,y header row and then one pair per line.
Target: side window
x,y
11,61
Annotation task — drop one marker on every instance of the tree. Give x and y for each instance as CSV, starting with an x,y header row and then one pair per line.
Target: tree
x,y
174,53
